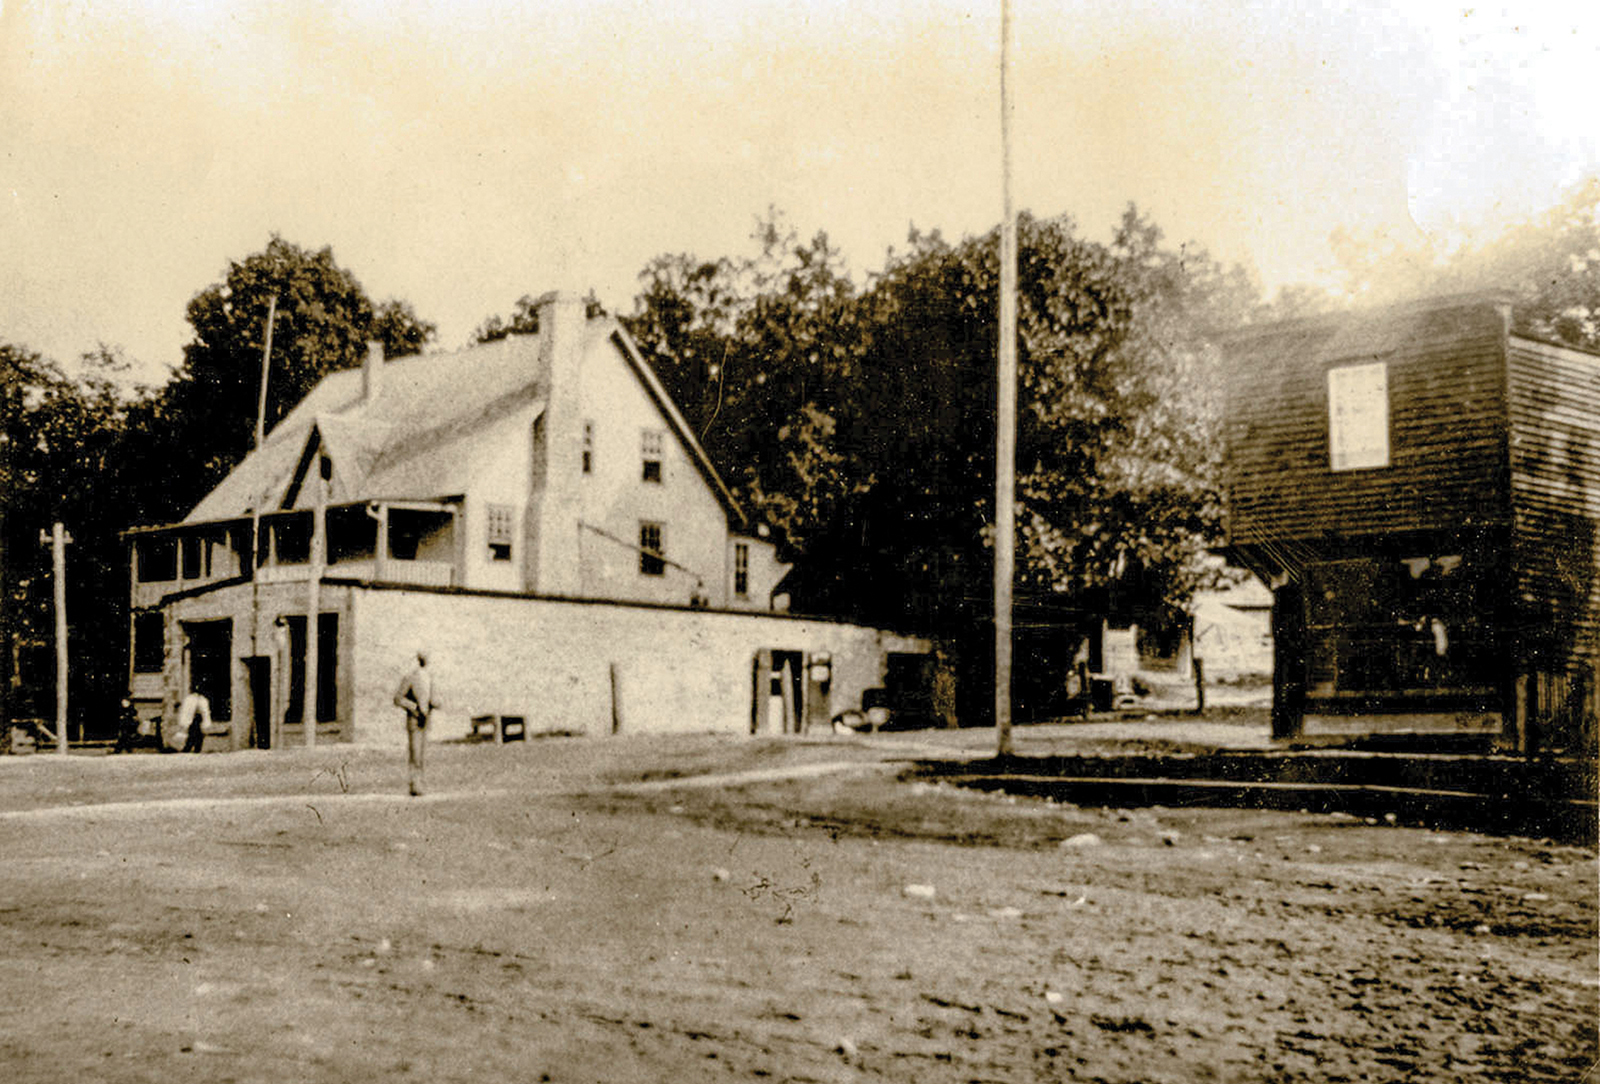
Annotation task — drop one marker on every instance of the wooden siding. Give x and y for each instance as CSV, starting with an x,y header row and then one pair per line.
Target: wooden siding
x,y
1554,397
1446,426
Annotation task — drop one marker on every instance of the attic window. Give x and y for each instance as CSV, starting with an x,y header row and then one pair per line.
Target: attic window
x,y
741,569
588,447
1358,416
650,443
651,559
499,531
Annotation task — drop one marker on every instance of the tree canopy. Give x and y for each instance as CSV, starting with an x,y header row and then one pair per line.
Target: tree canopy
x,y
859,420
854,414
204,421
62,456
102,459
1548,263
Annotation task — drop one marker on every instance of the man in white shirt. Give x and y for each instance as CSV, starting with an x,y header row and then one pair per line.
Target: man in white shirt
x,y
415,695
194,719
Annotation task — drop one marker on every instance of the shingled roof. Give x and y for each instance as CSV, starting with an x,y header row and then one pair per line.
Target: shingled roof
x,y
417,437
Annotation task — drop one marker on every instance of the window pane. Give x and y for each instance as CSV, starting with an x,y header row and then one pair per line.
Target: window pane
x,y
327,668
149,651
650,442
193,557
500,519
158,560
1358,416
651,562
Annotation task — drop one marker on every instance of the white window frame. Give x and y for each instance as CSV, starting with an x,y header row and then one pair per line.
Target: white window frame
x,y
1358,416
500,531
652,442
652,560
741,569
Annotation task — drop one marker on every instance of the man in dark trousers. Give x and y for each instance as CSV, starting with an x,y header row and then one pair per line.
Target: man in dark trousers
x,y
415,695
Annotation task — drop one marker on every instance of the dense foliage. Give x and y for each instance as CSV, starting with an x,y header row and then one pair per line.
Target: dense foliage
x,y
204,421
859,421
854,416
102,458
62,444
1548,263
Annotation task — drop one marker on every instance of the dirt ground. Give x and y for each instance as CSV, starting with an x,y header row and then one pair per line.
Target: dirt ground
x,y
695,908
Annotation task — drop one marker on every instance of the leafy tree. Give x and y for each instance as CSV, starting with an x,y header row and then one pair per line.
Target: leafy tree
x,y
1548,263
204,422
861,422
684,319
62,444
524,320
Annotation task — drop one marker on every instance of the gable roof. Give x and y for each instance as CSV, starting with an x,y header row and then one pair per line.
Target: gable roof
x,y
677,422
415,439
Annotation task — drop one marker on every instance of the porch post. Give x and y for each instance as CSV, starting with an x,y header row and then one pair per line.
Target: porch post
x,y
380,567
458,552
319,543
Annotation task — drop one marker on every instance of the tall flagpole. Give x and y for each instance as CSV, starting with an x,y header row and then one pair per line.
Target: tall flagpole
x,y
255,521
1005,412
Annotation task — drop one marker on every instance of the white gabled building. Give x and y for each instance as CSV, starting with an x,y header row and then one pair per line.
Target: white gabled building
x,y
535,511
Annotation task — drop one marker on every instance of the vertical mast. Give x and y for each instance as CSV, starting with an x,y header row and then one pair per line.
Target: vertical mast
x,y
1005,412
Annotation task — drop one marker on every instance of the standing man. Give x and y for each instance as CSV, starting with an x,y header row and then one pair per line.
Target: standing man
x,y
194,719
415,695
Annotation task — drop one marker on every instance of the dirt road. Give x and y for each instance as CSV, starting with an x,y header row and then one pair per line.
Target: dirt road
x,y
289,917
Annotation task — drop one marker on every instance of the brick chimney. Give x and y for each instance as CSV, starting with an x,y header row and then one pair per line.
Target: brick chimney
x,y
371,372
550,552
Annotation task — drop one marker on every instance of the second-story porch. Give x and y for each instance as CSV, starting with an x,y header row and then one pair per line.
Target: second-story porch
x,y
401,541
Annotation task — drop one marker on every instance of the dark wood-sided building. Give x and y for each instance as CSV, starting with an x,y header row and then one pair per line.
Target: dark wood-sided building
x,y
1420,486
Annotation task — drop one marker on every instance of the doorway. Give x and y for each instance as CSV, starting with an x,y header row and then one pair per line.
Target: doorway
x,y
210,664
258,679
779,693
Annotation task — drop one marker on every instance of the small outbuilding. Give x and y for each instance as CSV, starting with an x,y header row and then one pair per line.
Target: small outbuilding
x,y
1420,487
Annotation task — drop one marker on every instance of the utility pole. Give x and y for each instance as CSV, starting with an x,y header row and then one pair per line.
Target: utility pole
x,y
57,540
255,505
266,359
1005,456
5,604
319,545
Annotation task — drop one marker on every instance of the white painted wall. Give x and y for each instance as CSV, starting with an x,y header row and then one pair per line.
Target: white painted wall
x,y
677,670
499,476
615,498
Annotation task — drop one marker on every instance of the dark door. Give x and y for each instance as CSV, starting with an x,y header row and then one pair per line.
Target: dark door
x,y
1288,660
210,664
258,672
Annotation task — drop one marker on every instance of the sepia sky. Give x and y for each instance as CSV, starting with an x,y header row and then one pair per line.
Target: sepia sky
x,y
460,154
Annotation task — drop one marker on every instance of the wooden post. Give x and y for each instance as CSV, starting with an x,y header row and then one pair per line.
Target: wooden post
x,y
5,626
1006,412
1199,686
380,552
319,543
266,362
255,505
58,570
616,701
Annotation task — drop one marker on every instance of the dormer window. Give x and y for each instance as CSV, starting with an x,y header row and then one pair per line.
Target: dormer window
x,y
1358,416
650,444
